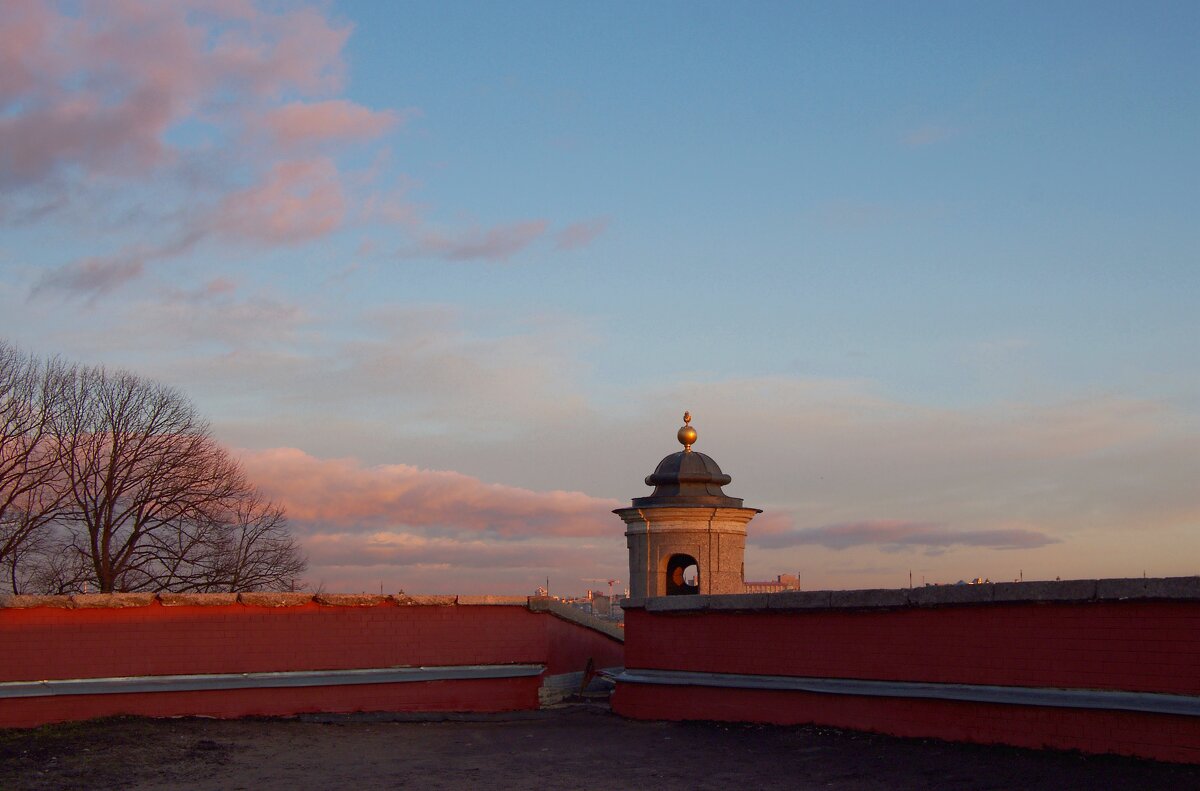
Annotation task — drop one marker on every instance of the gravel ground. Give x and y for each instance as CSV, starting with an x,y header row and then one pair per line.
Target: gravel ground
x,y
571,747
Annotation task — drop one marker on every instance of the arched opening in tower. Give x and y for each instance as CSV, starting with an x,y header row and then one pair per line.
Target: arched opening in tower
x,y
683,575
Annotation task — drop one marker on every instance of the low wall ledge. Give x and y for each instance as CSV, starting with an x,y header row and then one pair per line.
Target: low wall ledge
x,y
352,599
15,601
92,601
95,600
197,599
566,612
279,600
494,601
1135,588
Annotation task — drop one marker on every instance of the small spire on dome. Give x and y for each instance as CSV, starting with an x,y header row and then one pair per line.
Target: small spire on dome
x,y
687,434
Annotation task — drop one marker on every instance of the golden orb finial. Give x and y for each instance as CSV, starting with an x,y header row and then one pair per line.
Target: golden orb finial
x,y
687,434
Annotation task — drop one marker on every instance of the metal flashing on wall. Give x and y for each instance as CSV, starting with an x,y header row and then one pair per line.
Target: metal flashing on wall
x,y
1151,702
300,678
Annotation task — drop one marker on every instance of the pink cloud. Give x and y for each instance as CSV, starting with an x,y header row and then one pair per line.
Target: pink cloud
x,y
25,26
928,135
344,494
498,243
90,277
390,561
771,523
85,132
298,49
93,100
100,91
897,534
199,121
335,120
580,234
95,276
298,200
403,549
402,527
219,285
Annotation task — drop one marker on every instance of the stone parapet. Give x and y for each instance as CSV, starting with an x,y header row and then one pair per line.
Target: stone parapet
x,y
578,616
111,600
275,599
495,601
352,599
1168,588
278,654
96,601
24,602
1160,588
197,599
436,600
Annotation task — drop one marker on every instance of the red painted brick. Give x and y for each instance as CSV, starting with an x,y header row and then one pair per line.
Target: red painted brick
x,y
1141,646
45,643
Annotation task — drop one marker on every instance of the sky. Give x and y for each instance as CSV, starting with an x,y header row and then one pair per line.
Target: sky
x,y
446,276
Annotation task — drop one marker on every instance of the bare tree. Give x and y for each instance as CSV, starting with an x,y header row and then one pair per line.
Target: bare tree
x,y
247,548
114,483
150,488
140,463
48,565
261,553
31,481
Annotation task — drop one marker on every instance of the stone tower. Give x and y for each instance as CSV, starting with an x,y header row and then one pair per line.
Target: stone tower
x,y
688,536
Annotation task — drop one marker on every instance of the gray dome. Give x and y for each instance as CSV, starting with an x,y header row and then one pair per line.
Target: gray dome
x,y
688,478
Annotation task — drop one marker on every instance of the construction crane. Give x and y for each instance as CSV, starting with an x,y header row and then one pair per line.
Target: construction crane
x,y
610,582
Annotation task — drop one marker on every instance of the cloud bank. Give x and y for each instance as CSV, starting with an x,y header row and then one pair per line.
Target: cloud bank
x,y
429,529
349,496
895,535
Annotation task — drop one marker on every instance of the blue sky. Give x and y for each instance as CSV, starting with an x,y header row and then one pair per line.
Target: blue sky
x,y
1019,175
926,274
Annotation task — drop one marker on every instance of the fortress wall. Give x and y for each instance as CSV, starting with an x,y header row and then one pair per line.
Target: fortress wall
x,y
1085,664
488,653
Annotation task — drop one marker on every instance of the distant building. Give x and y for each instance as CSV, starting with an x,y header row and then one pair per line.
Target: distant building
x,y
783,582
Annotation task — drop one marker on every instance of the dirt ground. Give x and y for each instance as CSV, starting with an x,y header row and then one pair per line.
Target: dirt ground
x,y
572,747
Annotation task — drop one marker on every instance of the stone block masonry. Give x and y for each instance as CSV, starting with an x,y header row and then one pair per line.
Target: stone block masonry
x,y
278,654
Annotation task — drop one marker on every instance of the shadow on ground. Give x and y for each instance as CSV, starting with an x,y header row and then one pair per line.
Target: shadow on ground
x,y
570,747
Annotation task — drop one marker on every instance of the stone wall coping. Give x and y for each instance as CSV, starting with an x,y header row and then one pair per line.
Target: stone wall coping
x,y
566,612
352,599
1120,589
269,599
197,599
494,601
96,600
1134,588
82,601
22,601
277,599
537,604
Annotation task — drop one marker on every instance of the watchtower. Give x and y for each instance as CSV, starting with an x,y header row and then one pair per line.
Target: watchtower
x,y
688,536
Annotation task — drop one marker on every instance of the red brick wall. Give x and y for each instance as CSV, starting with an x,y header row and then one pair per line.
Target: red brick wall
x,y
1142,646
1134,646
52,643
569,650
